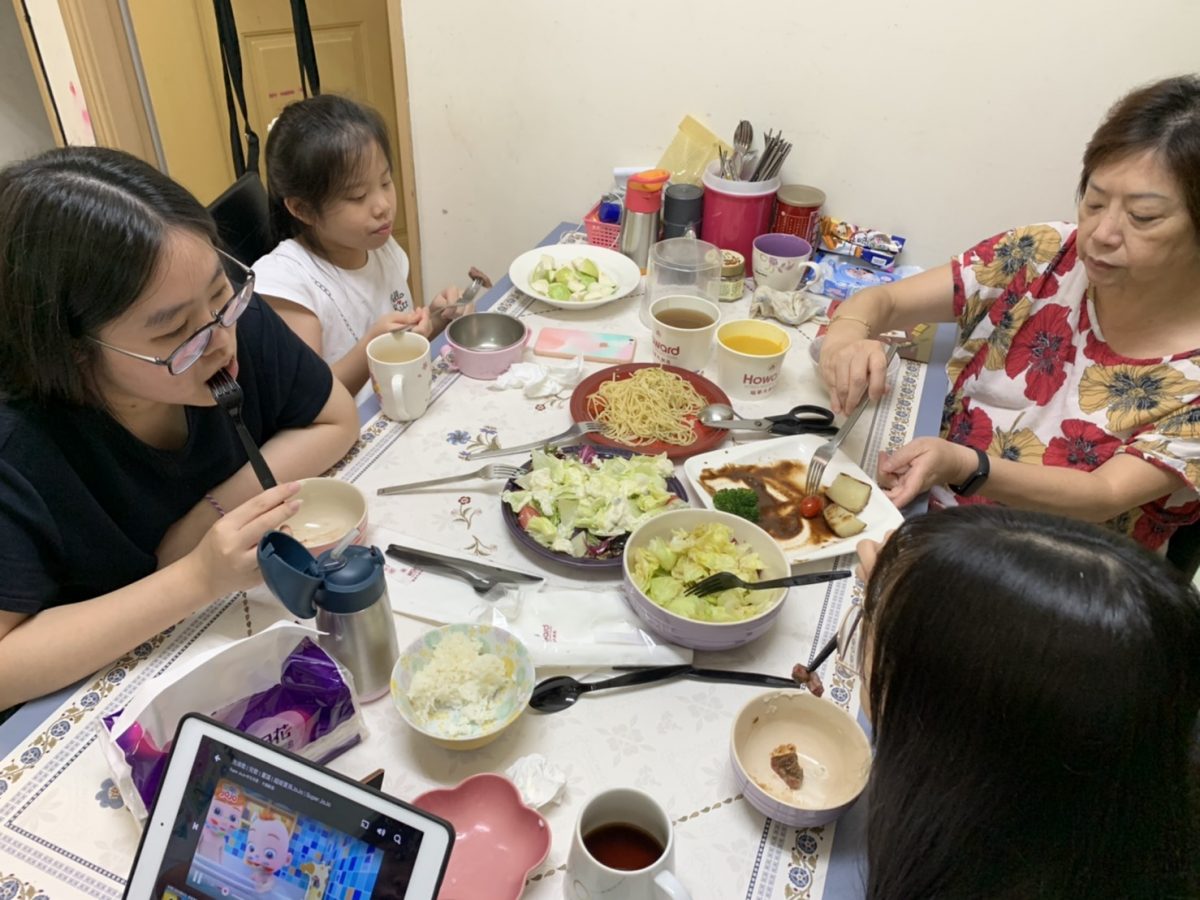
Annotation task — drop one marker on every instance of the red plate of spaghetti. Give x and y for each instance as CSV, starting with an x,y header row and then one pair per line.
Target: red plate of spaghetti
x,y
649,408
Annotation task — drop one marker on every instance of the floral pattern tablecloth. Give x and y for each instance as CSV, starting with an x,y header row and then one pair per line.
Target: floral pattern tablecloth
x,y
64,833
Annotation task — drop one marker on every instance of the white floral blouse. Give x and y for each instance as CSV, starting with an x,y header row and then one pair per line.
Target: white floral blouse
x,y
1033,380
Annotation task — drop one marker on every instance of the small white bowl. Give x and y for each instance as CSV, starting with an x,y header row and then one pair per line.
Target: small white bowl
x,y
518,666
692,632
832,749
330,510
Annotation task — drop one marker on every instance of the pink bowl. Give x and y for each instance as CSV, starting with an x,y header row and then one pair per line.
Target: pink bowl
x,y
498,839
484,345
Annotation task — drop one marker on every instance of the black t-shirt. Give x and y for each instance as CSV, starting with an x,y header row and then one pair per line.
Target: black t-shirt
x,y
84,504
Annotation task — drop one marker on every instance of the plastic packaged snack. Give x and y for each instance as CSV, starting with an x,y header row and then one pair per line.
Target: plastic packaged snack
x,y
877,248
278,686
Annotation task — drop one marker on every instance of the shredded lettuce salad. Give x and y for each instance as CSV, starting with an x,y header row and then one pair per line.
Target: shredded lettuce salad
x,y
664,569
585,506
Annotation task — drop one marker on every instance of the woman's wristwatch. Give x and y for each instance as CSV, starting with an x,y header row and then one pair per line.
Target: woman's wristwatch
x,y
976,479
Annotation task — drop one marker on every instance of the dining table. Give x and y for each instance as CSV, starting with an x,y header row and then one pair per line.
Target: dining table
x,y
65,830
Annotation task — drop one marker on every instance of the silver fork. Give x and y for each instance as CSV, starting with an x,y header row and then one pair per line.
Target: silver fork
x,y
723,581
820,459
579,429
490,471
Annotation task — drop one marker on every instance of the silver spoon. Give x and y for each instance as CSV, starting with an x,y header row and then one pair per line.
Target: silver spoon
x,y
721,415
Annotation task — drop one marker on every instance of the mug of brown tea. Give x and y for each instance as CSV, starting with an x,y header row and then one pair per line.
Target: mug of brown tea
x,y
682,330
623,848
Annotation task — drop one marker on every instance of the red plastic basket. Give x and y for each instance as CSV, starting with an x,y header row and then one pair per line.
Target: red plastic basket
x,y
601,234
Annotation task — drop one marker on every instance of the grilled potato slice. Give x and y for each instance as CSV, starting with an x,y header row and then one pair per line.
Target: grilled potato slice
x,y
841,521
849,493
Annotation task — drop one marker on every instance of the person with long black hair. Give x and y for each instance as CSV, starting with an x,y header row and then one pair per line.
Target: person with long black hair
x,y
1033,684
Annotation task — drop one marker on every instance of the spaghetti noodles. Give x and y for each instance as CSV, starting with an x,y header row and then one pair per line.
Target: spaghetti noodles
x,y
651,405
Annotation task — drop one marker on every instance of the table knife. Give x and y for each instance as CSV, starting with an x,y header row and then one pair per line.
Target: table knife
x,y
425,557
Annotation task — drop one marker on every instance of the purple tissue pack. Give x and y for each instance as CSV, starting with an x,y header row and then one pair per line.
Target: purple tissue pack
x,y
299,699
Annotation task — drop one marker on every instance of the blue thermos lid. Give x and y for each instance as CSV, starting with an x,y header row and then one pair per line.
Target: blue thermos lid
x,y
304,583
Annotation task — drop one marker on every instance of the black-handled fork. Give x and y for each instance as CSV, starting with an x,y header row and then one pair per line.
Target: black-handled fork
x,y
724,581
228,394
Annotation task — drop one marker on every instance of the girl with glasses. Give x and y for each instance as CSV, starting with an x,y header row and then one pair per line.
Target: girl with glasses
x,y
1033,684
126,500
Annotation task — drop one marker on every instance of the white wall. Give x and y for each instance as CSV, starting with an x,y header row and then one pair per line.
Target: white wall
x,y
24,129
941,120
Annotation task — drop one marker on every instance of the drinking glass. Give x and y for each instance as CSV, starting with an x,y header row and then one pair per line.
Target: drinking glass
x,y
682,266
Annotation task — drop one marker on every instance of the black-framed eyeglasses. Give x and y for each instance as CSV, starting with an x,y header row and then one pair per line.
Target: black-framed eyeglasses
x,y
185,355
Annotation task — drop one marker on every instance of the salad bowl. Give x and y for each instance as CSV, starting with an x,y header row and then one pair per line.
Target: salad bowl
x,y
603,553
695,633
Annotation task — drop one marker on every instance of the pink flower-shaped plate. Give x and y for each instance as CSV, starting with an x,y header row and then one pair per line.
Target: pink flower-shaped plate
x,y
498,839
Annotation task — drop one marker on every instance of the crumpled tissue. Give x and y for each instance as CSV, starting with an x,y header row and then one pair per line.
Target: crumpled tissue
x,y
571,627
540,781
789,307
537,380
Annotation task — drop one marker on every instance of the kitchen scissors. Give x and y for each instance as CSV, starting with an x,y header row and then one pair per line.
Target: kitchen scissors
x,y
803,419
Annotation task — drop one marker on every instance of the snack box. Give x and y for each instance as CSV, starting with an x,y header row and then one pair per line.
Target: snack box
x,y
845,276
875,247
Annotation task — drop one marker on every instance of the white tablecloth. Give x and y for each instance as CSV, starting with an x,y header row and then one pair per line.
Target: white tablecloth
x,y
63,832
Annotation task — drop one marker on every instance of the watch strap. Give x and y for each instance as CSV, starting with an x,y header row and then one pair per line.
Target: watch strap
x,y
976,479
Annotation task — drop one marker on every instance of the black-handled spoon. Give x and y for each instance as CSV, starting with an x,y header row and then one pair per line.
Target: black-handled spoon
x,y
557,693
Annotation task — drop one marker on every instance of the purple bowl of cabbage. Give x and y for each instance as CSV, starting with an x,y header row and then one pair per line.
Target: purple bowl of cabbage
x,y
696,633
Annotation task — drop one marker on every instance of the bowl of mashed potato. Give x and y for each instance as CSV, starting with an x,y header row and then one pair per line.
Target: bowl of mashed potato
x,y
463,685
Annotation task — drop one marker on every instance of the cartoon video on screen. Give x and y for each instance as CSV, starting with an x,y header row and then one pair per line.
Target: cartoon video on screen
x,y
251,848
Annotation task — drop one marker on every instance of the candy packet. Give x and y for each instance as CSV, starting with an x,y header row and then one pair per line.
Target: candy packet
x,y
277,685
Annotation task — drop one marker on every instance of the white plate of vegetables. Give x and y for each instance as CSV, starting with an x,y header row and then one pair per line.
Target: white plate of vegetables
x,y
574,276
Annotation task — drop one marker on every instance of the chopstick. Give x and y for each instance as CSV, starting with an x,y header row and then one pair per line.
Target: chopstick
x,y
775,151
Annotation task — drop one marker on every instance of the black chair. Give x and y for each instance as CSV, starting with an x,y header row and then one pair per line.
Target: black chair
x,y
242,218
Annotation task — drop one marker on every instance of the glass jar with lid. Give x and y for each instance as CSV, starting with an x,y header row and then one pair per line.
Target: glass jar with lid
x,y
733,275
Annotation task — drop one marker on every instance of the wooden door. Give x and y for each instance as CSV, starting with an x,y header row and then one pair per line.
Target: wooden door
x,y
180,56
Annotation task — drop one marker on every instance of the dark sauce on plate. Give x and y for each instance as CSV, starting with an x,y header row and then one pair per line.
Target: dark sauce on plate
x,y
780,488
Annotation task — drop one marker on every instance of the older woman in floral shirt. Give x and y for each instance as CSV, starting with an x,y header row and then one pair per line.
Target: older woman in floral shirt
x,y
1075,382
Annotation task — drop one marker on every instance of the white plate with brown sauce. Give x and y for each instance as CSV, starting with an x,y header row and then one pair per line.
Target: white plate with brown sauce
x,y
775,470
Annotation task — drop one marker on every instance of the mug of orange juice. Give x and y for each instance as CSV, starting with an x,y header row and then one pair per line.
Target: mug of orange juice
x,y
750,355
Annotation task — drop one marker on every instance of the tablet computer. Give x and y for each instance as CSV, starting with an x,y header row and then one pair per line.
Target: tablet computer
x,y
239,818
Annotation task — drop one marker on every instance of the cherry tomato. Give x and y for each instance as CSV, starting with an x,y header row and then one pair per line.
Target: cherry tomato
x,y
811,506
527,513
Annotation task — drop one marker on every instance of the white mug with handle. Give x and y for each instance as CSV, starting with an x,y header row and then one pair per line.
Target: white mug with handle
x,y
623,848
401,375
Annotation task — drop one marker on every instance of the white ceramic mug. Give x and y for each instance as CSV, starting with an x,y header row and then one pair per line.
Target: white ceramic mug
x,y
400,374
590,878
779,261
678,342
750,354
